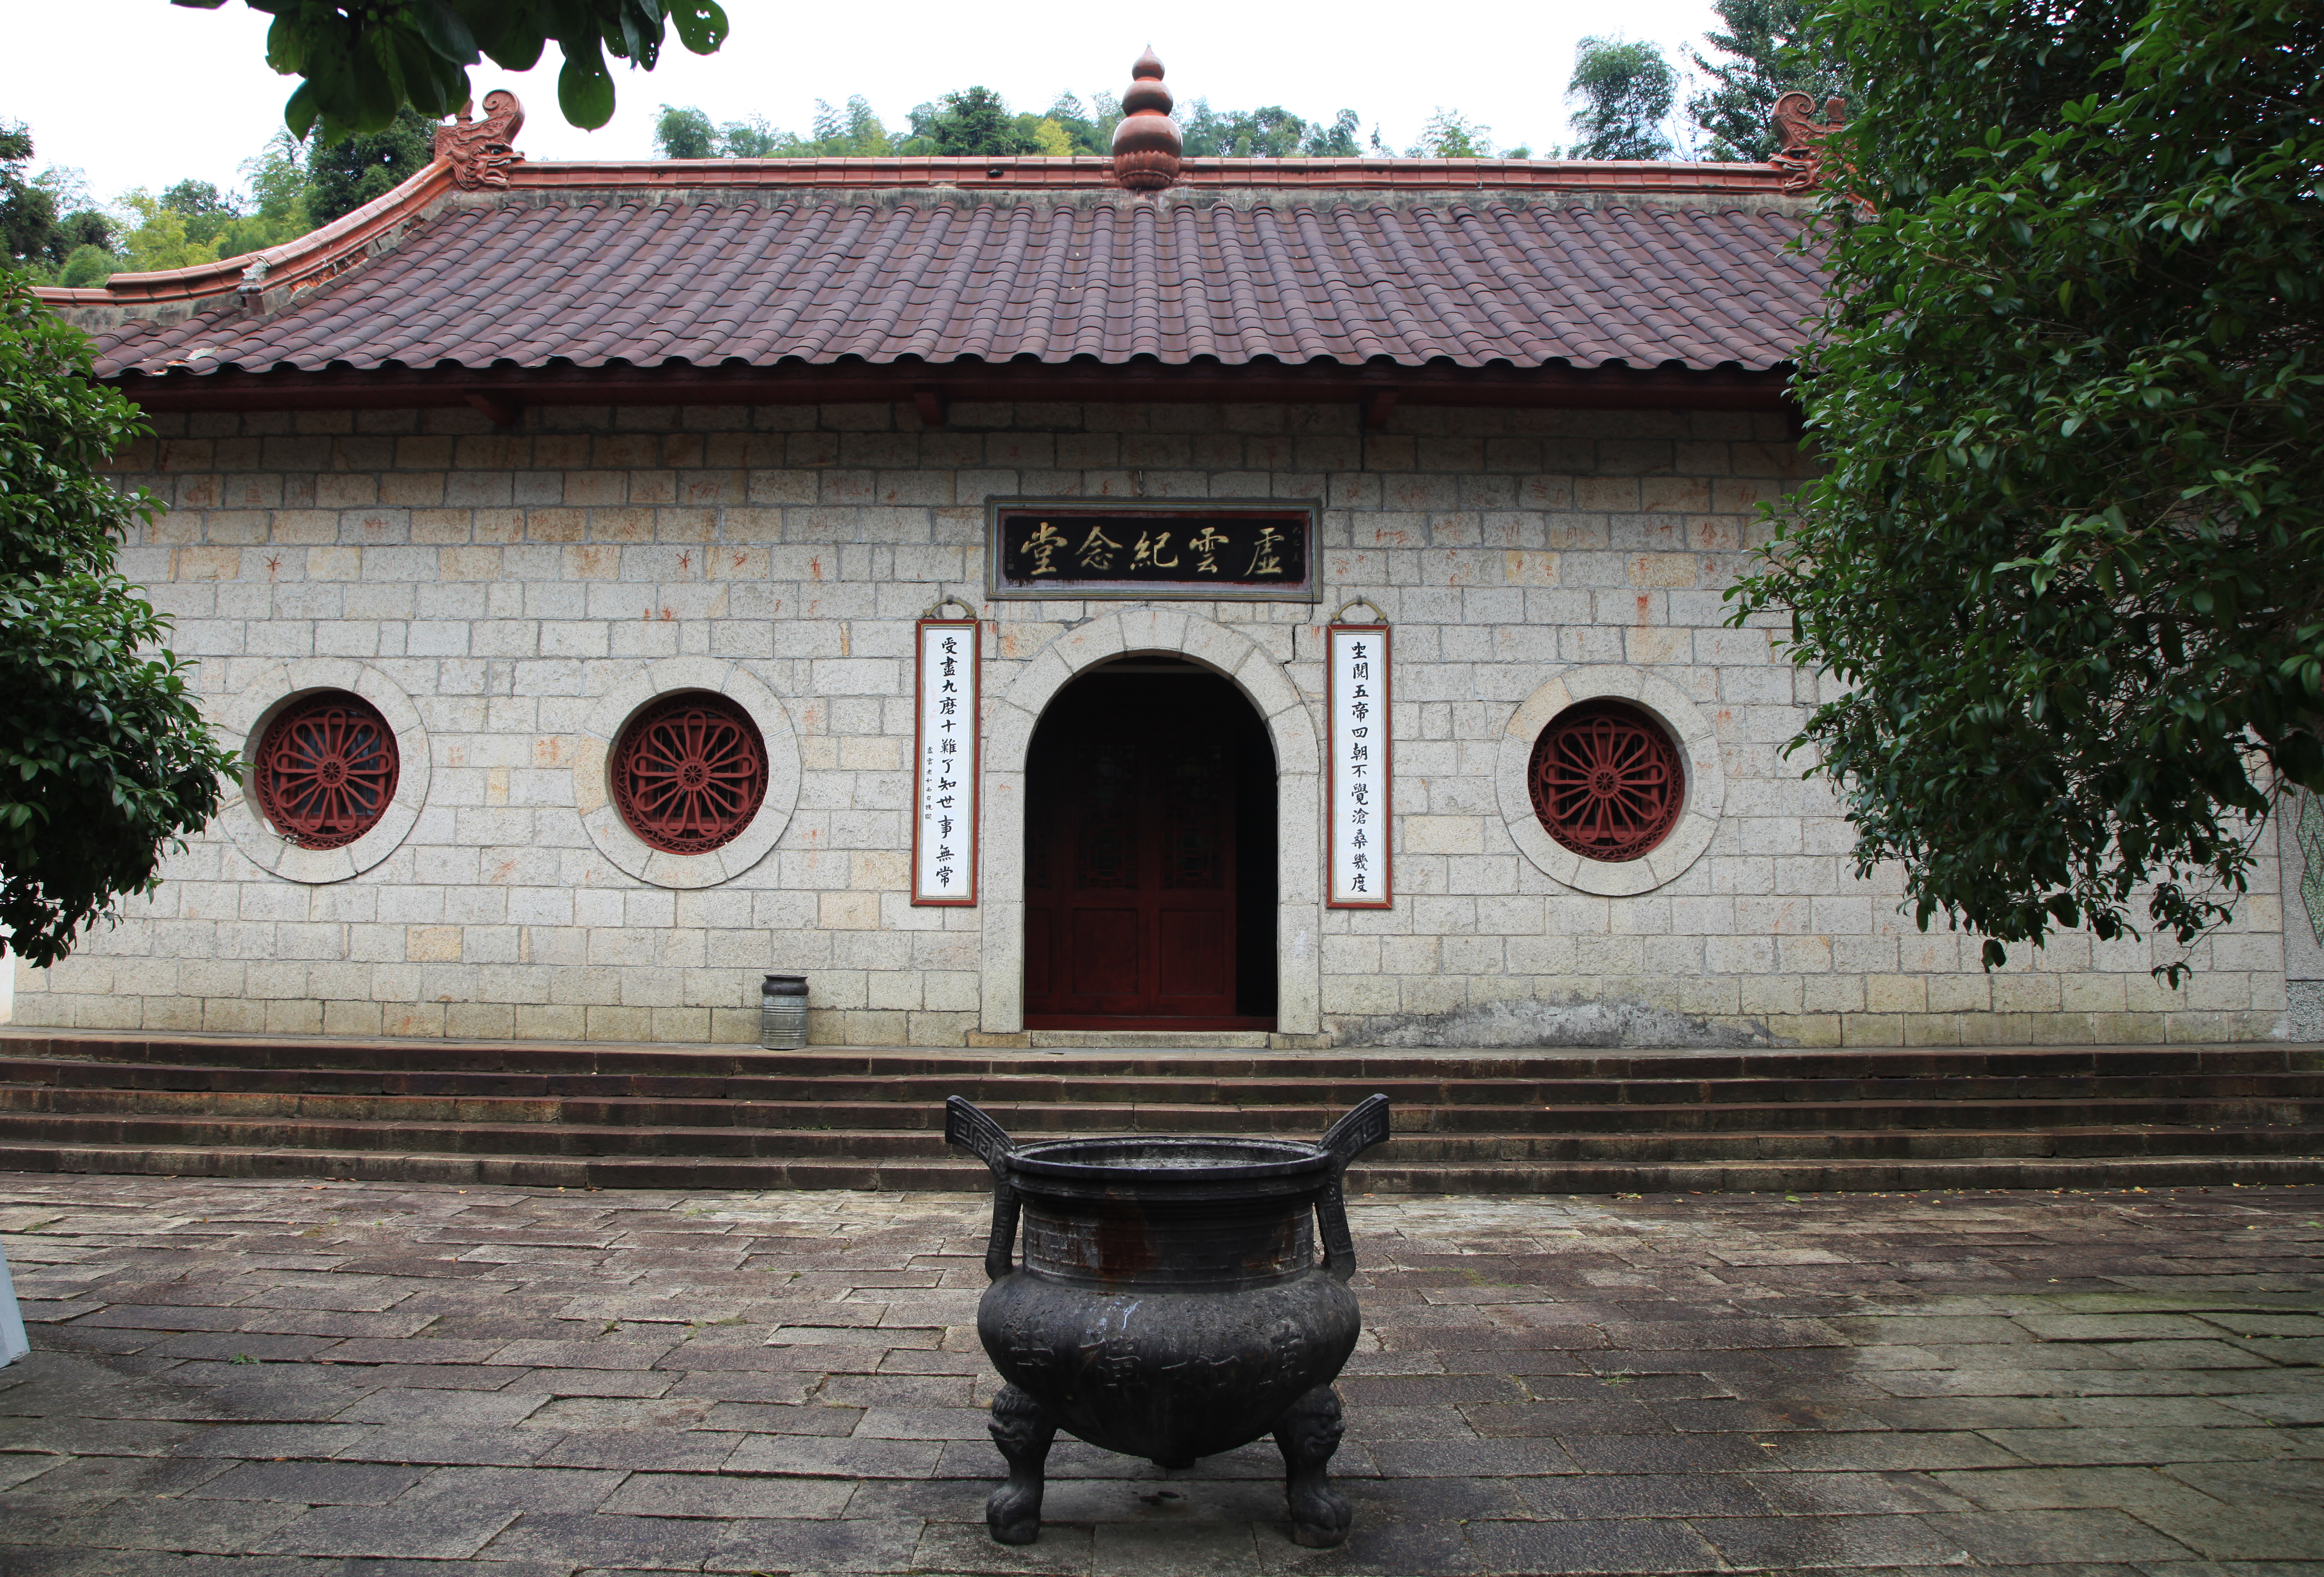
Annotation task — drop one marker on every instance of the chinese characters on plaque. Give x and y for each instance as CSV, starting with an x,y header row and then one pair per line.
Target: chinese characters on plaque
x,y
1356,696
944,761
1146,549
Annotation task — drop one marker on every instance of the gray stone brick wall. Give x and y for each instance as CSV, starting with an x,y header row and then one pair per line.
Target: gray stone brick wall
x,y
507,582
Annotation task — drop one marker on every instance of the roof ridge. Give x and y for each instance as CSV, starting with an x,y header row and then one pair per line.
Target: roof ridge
x,y
1046,171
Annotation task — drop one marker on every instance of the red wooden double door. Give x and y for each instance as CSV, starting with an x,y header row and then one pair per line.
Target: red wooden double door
x,y
1139,900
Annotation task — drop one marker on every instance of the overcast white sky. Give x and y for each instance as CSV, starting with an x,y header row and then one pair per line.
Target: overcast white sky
x,y
144,93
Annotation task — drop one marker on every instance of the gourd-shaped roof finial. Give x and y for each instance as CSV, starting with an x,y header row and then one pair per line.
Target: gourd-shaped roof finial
x,y
1146,143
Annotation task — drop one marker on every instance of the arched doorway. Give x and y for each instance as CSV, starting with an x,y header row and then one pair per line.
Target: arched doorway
x,y
1150,861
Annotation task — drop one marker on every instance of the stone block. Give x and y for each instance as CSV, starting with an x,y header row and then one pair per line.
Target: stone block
x,y
432,943
848,910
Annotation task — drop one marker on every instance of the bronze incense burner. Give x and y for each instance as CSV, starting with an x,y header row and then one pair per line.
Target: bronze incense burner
x,y
1170,1304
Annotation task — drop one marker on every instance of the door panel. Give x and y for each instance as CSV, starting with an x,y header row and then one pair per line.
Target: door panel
x,y
1193,959
1107,954
1131,892
1036,950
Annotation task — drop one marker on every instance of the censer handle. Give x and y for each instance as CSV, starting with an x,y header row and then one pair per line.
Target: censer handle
x,y
972,1129
999,1246
1364,1126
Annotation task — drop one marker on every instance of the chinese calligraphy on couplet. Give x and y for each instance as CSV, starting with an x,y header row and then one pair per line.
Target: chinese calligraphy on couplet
x,y
944,834
1356,670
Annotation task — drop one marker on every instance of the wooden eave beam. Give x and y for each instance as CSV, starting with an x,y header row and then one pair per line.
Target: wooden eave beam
x,y
1373,389
501,407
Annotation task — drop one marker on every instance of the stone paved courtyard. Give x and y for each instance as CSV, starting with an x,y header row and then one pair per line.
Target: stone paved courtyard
x,y
279,1378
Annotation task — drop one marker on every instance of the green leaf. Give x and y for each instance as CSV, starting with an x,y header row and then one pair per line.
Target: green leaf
x,y
364,63
444,30
286,46
511,32
584,88
300,112
701,25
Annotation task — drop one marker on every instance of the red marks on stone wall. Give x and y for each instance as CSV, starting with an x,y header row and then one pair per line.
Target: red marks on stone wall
x,y
1606,780
689,772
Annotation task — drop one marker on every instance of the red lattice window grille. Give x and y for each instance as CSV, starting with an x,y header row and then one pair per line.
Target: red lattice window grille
x,y
1606,780
326,769
689,773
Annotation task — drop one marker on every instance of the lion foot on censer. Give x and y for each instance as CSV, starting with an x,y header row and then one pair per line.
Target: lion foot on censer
x,y
1023,1432
1307,1436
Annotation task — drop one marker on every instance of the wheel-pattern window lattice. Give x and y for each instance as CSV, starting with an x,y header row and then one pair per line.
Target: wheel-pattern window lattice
x,y
689,772
326,769
1606,780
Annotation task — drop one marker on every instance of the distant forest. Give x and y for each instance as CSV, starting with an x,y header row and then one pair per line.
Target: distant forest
x,y
1624,99
977,120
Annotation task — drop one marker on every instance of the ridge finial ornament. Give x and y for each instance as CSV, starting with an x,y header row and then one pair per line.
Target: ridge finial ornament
x,y
1146,143
1800,137
481,150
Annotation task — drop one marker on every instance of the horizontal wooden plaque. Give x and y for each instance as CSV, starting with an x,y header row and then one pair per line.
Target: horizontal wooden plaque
x,y
1212,549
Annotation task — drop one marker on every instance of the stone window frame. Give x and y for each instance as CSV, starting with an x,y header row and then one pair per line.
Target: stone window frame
x,y
593,796
1697,747
247,718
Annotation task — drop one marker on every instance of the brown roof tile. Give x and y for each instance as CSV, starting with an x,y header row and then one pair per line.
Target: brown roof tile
x,y
1642,270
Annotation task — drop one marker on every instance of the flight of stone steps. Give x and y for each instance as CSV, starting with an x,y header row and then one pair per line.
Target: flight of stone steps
x,y
1548,1121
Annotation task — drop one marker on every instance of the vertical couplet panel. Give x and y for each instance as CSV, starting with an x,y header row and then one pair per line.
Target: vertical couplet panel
x,y
944,763
1359,765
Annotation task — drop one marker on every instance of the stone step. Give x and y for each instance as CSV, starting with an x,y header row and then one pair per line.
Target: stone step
x,y
829,1117
36,1102
1147,1040
904,1176
484,1136
1360,1066
1022,1090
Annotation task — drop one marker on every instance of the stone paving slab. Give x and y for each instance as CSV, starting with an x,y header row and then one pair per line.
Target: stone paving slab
x,y
240,1379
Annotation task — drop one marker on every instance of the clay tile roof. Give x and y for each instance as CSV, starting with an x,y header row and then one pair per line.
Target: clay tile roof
x,y
900,263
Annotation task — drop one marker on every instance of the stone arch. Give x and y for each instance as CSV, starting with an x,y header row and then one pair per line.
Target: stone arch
x,y
1299,794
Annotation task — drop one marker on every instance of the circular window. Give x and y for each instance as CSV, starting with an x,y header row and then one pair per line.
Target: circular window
x,y
1606,780
689,772
325,770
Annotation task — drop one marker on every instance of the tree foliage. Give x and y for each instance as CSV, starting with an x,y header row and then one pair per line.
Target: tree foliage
x,y
192,222
160,237
689,133
1769,47
1064,129
278,205
341,176
975,121
1271,132
45,219
978,121
1624,89
206,210
2066,560
1450,134
105,762
685,133
1091,130
363,64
